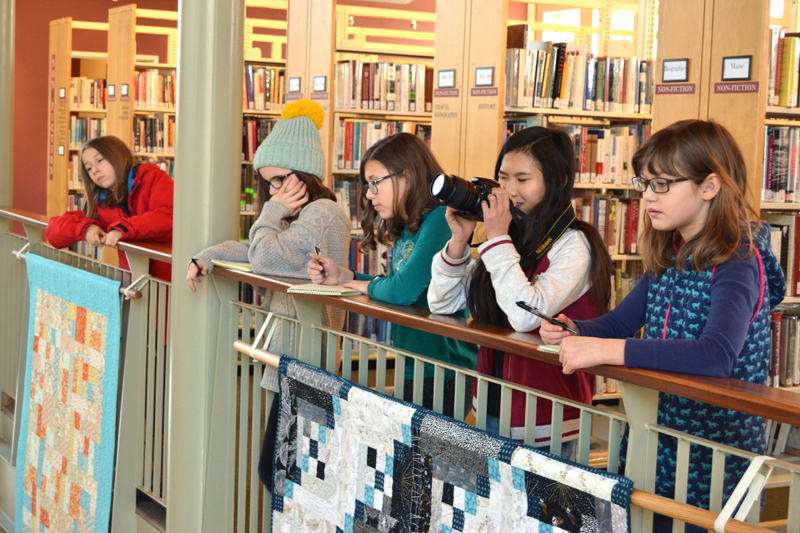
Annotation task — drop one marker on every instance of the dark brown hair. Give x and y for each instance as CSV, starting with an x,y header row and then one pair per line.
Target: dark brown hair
x,y
406,157
695,149
314,188
120,157
551,150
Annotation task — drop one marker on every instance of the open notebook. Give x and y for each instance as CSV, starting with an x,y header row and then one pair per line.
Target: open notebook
x,y
325,290
232,265
548,348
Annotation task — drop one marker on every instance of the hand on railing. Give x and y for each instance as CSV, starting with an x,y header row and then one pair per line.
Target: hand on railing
x,y
552,334
324,271
196,269
111,238
94,235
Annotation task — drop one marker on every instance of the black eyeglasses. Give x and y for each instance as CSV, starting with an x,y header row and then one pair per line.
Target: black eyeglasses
x,y
657,185
277,181
373,185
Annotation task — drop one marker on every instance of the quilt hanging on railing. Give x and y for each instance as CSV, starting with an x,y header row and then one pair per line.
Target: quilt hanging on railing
x,y
351,460
65,459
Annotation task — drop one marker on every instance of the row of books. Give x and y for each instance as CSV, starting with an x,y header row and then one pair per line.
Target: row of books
x,y
250,184
74,201
622,283
604,385
383,85
74,173
604,154
564,76
83,129
783,238
780,165
784,367
87,250
254,131
263,88
167,165
87,93
352,138
155,89
782,438
618,220
348,194
154,134
784,58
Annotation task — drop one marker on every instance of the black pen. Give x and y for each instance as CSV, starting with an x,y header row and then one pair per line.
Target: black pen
x,y
541,315
318,252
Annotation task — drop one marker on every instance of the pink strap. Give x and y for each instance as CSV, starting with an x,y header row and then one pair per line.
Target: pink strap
x,y
666,318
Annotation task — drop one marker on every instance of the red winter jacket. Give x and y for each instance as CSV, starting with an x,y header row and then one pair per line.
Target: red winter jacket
x,y
149,217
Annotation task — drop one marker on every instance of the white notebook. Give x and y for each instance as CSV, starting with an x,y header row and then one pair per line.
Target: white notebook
x,y
232,265
325,290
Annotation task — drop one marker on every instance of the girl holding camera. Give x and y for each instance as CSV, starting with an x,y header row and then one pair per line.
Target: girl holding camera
x,y
396,173
536,252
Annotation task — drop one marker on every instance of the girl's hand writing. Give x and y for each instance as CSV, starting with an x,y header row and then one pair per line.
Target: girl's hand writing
x,y
94,235
194,274
358,285
497,213
461,229
292,194
552,334
585,352
112,238
333,273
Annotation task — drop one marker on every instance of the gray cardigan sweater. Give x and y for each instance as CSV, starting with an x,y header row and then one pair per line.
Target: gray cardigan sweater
x,y
279,248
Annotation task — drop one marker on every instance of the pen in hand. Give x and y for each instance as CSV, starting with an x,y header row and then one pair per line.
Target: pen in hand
x,y
318,252
543,316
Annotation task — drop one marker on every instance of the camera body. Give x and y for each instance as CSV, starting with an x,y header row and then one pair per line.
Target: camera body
x,y
462,195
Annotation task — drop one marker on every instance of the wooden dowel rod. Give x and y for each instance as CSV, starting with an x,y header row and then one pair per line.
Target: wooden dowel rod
x,y
689,513
259,355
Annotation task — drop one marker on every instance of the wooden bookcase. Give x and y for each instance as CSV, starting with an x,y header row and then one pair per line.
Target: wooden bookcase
x,y
64,64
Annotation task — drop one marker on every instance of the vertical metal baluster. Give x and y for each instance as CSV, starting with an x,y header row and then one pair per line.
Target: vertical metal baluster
x,y
380,377
505,411
160,400
585,437
530,419
347,358
255,436
399,374
150,406
363,364
557,428
483,393
244,396
438,388
614,436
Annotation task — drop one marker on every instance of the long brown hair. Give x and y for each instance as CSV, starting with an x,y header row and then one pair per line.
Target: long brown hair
x,y
314,187
117,153
406,157
695,149
551,149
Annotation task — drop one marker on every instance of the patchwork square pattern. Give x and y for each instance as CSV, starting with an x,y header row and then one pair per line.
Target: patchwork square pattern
x,y
390,467
66,443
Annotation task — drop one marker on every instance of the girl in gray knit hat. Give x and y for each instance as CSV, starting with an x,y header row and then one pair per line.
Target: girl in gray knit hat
x,y
298,212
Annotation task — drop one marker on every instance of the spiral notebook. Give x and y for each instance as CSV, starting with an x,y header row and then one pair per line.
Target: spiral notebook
x,y
232,265
324,290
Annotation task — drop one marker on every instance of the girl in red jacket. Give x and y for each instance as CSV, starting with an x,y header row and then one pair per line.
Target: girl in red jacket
x,y
121,202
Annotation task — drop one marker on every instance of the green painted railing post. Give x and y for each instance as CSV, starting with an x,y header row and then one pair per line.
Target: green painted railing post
x,y
641,406
207,172
130,445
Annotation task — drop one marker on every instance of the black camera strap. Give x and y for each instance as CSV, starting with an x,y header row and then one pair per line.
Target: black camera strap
x,y
559,227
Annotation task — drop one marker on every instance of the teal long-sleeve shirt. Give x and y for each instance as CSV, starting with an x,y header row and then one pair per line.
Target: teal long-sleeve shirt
x,y
407,284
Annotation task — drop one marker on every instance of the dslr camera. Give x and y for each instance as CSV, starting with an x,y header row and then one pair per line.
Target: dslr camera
x,y
462,195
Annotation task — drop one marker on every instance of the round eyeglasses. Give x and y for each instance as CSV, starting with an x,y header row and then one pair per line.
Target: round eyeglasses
x,y
276,182
657,185
373,185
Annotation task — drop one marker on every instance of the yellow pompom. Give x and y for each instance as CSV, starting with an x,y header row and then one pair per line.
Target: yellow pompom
x,y
305,108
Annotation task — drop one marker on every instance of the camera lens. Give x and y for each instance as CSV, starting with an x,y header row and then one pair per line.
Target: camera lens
x,y
456,193
438,183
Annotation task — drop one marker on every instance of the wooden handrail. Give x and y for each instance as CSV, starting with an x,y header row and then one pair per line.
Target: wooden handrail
x,y
158,251
768,402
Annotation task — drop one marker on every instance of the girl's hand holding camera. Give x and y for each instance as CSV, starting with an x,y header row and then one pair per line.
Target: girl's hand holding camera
x,y
194,273
462,229
497,213
292,194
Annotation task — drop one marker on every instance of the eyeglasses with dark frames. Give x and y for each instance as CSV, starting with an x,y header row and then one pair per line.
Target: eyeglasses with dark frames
x,y
276,182
657,185
373,185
